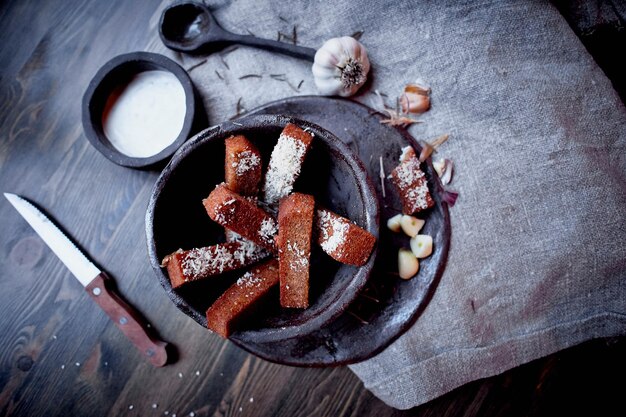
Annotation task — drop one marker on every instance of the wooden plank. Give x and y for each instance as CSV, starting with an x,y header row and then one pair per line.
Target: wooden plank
x,y
60,355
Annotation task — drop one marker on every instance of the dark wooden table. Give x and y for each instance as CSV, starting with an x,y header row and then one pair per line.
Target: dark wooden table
x,y
60,355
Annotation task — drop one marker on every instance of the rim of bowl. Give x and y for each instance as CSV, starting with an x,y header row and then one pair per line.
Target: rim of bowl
x,y
107,79
371,210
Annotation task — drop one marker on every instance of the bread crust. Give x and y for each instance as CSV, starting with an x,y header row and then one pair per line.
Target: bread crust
x,y
295,227
200,263
411,184
223,315
242,216
242,166
341,239
285,163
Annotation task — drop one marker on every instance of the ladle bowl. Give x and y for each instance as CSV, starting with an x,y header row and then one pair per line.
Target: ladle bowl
x,y
191,28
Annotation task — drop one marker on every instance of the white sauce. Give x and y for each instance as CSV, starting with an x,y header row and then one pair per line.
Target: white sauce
x,y
146,115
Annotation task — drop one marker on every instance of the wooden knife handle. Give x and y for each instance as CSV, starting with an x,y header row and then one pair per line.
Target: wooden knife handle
x,y
127,319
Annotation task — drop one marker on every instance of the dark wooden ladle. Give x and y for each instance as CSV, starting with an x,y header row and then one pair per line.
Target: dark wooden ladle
x,y
191,28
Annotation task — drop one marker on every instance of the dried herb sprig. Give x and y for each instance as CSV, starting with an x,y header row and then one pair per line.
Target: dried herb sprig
x,y
376,300
224,62
243,77
293,87
280,36
357,317
293,38
239,110
225,52
397,117
382,177
196,65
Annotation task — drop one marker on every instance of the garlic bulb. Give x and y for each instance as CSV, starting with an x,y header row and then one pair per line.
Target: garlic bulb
x,y
340,67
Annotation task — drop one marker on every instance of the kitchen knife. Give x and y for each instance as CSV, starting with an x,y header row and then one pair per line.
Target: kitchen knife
x,y
96,282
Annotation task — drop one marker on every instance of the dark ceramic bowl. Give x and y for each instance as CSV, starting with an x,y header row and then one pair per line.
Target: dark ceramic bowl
x,y
119,71
177,219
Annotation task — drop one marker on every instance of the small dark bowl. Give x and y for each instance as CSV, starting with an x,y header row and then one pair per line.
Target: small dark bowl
x,y
120,70
176,219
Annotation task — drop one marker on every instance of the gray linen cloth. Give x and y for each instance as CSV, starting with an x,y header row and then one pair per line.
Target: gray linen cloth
x,y
538,136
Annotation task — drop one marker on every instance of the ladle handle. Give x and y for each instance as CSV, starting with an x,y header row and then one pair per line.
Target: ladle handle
x,y
295,51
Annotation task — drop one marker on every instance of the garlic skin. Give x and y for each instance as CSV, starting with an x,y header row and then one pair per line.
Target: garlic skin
x,y
340,67
445,169
415,99
439,166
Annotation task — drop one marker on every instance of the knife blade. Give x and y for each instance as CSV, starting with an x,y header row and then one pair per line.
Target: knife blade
x,y
96,282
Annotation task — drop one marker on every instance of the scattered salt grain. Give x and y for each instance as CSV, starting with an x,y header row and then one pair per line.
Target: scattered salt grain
x,y
62,366
77,364
405,151
247,161
197,372
409,172
412,179
284,168
54,336
299,260
251,399
166,412
180,374
155,405
192,414
240,409
268,229
334,231
130,407
249,280
202,261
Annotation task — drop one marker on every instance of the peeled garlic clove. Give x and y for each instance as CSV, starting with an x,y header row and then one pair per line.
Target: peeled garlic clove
x,y
439,165
422,246
394,223
408,265
411,225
